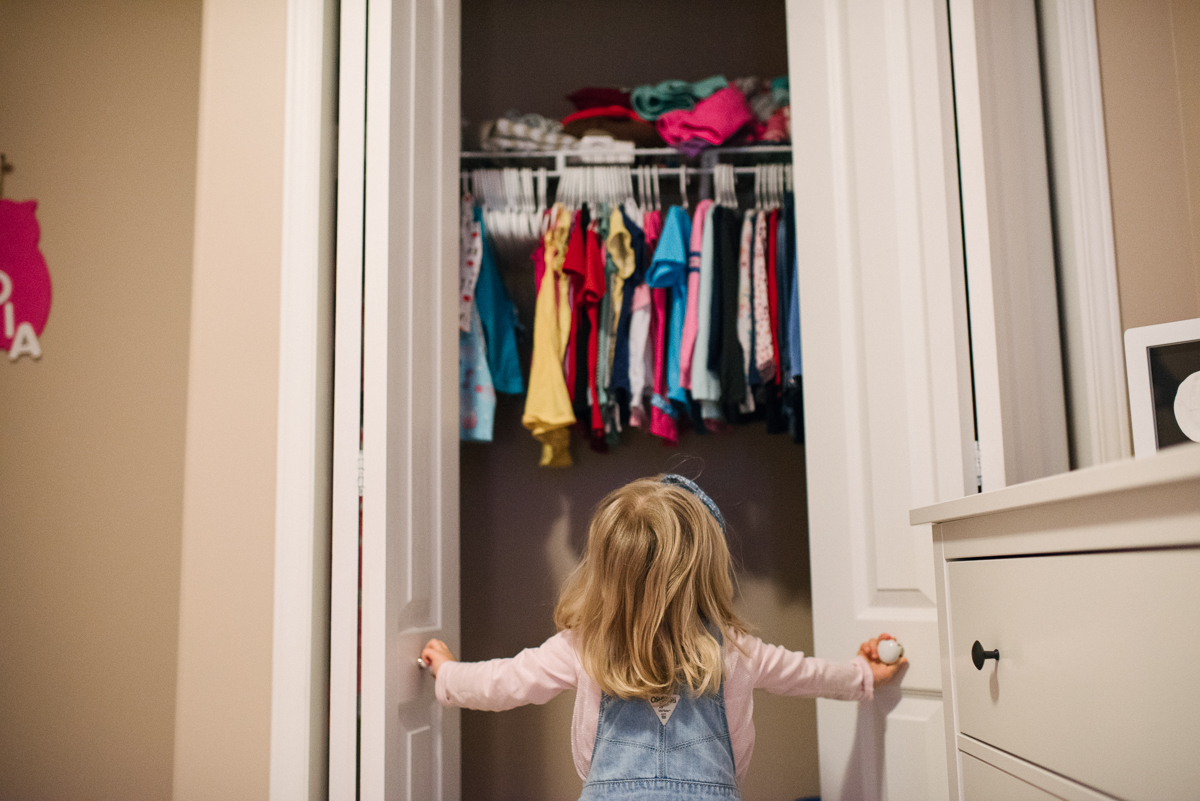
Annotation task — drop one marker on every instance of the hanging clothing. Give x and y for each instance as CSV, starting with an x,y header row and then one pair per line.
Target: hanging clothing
x,y
773,391
662,414
745,307
641,356
498,318
794,321
773,290
470,253
593,292
729,356
476,394
622,362
669,270
547,405
619,245
691,320
643,305
704,383
783,284
763,348
574,268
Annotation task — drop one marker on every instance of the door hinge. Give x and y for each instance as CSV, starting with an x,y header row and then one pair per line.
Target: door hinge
x,y
360,472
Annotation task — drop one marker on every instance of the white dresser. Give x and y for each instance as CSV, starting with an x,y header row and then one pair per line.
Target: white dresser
x,y
1083,593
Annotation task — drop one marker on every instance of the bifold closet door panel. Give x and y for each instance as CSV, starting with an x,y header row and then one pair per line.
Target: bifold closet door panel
x,y
410,583
982,782
1120,715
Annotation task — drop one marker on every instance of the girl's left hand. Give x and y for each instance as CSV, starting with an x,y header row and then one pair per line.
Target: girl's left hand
x,y
883,674
435,654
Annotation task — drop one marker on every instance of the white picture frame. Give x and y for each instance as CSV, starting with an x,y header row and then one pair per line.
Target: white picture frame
x,y
1154,416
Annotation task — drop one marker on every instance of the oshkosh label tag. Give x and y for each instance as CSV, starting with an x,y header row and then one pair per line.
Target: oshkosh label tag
x,y
664,705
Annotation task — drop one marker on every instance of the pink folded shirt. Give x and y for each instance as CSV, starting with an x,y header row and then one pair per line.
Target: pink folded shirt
x,y
714,119
536,675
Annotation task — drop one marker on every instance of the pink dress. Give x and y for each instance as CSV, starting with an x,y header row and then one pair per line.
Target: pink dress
x,y
691,322
536,675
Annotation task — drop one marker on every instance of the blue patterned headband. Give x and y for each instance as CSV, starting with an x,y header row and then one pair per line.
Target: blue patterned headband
x,y
689,485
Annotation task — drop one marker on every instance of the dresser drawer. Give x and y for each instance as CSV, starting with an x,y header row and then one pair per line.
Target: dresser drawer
x,y
1097,677
982,782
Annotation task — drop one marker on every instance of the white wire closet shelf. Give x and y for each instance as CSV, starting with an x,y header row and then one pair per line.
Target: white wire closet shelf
x,y
618,156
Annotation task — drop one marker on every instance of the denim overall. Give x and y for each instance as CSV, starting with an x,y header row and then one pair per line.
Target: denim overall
x,y
639,757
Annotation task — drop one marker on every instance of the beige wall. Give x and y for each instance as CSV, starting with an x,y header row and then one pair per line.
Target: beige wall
x,y
1150,76
223,712
98,113
529,55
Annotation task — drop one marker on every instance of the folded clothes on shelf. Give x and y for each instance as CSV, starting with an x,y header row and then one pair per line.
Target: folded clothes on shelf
x,y
652,101
622,124
779,127
713,121
598,96
529,132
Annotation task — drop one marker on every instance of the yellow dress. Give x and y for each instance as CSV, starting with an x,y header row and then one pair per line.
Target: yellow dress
x,y
548,410
621,251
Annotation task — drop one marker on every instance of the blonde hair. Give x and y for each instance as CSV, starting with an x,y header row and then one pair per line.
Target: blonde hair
x,y
656,575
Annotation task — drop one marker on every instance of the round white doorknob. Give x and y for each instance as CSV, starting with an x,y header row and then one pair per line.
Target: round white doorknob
x,y
890,651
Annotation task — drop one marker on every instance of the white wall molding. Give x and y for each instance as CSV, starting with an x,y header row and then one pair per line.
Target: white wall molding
x,y
298,733
1087,253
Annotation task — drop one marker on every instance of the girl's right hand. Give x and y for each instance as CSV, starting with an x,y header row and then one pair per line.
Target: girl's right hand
x,y
883,674
435,654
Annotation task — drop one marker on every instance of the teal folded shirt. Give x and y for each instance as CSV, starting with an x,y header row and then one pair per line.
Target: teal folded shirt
x,y
651,102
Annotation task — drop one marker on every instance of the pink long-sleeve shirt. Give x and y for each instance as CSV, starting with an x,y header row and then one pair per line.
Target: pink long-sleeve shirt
x,y
537,675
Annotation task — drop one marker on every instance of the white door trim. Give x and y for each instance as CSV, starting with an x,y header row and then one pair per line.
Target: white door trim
x,y
1100,425
347,408
1019,402
301,605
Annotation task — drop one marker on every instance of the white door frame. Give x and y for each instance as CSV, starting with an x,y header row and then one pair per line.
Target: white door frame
x,y
347,405
300,656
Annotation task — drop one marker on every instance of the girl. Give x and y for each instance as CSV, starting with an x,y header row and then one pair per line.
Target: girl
x,y
664,670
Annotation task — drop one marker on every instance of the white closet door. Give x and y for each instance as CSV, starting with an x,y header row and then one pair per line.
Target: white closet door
x,y
887,382
409,745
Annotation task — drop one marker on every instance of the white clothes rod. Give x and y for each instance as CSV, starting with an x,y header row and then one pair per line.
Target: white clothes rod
x,y
602,157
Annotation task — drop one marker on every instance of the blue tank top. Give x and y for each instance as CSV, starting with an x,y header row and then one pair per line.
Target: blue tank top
x,y
667,749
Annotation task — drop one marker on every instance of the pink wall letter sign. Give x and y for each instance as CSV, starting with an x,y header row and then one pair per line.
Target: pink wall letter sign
x,y
24,281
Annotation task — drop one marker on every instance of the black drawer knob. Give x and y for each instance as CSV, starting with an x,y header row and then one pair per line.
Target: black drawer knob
x,y
979,656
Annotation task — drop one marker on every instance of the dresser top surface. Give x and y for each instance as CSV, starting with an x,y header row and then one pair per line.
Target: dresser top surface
x,y
1181,463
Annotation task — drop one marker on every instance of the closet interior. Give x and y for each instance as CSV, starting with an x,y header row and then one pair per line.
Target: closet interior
x,y
523,525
